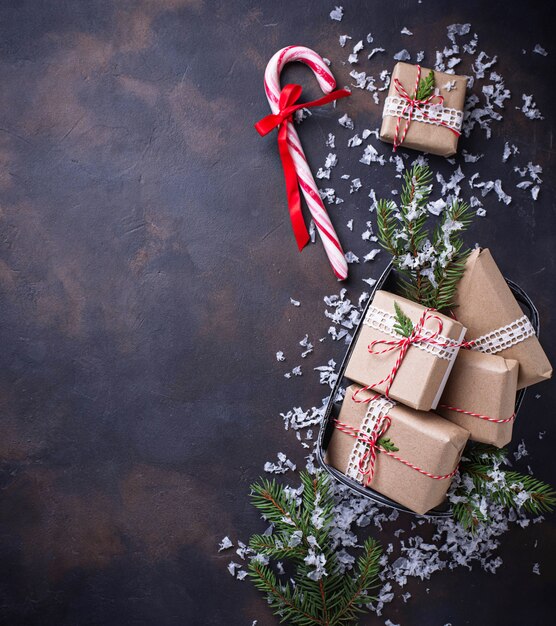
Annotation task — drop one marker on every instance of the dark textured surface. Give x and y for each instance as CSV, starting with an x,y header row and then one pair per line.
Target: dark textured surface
x,y
146,269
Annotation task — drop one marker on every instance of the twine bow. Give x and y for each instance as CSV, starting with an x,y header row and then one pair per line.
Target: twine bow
x,y
367,462
288,104
403,344
412,103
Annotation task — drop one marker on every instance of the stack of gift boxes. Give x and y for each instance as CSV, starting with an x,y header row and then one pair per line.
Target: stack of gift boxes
x,y
417,397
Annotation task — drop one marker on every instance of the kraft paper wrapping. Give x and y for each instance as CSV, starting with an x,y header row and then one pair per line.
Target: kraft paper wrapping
x,y
424,439
420,135
485,303
422,376
485,384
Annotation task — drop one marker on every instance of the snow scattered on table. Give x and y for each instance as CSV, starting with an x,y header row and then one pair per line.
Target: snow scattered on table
x,y
337,14
529,108
282,466
538,49
225,544
402,55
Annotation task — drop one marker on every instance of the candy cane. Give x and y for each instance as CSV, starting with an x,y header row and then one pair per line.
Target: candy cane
x,y
307,182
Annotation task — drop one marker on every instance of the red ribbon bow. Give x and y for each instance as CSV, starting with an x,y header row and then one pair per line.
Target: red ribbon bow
x,y
367,462
289,96
413,103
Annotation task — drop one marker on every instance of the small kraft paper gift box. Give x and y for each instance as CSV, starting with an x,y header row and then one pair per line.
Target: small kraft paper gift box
x,y
410,369
409,456
494,320
480,396
424,111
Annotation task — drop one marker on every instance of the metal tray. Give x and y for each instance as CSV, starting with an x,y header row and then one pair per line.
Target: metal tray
x,y
388,281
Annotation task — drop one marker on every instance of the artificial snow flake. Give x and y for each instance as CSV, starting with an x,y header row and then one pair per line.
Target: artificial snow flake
x,y
540,50
225,544
282,466
371,256
350,225
337,14
346,122
375,51
351,258
343,39
354,141
405,31
305,343
529,108
295,302
355,185
402,55
536,569
330,141
280,356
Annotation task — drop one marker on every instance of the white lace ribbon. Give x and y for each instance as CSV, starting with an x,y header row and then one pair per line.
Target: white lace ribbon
x,y
384,322
376,410
504,337
435,114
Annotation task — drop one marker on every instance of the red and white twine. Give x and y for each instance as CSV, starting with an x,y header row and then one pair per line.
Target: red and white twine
x,y
479,415
403,344
367,462
412,104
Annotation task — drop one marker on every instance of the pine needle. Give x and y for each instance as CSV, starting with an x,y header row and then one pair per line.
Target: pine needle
x,y
302,537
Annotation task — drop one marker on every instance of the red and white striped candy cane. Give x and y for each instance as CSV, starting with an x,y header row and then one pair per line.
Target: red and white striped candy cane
x,y
307,183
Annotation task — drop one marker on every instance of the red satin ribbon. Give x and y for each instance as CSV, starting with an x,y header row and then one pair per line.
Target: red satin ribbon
x,y
289,96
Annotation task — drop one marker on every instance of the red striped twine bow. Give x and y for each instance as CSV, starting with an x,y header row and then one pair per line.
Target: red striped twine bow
x,y
403,345
482,417
367,463
413,103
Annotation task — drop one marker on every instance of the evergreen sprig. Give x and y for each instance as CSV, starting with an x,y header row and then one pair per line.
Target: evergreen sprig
x,y
483,479
426,86
403,325
319,593
430,267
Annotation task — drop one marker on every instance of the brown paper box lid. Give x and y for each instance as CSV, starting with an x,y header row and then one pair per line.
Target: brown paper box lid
x,y
485,384
485,302
421,376
424,439
421,136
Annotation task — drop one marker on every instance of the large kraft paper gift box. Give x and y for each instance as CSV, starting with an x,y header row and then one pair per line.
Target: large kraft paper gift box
x,y
494,320
424,440
480,396
422,374
422,133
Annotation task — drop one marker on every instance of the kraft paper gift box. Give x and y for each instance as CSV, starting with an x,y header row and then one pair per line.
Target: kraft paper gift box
x,y
425,440
494,320
422,134
486,385
423,372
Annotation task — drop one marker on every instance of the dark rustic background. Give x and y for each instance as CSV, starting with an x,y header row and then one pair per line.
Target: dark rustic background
x,y
146,269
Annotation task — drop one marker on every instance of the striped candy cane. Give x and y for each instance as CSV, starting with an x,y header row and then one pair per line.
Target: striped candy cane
x,y
306,181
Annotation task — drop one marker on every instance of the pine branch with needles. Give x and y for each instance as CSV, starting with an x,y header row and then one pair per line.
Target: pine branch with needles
x,y
483,479
430,266
319,592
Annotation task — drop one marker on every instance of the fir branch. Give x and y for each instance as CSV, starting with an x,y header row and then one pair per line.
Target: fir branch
x,y
403,325
303,536
387,444
483,480
430,267
426,86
